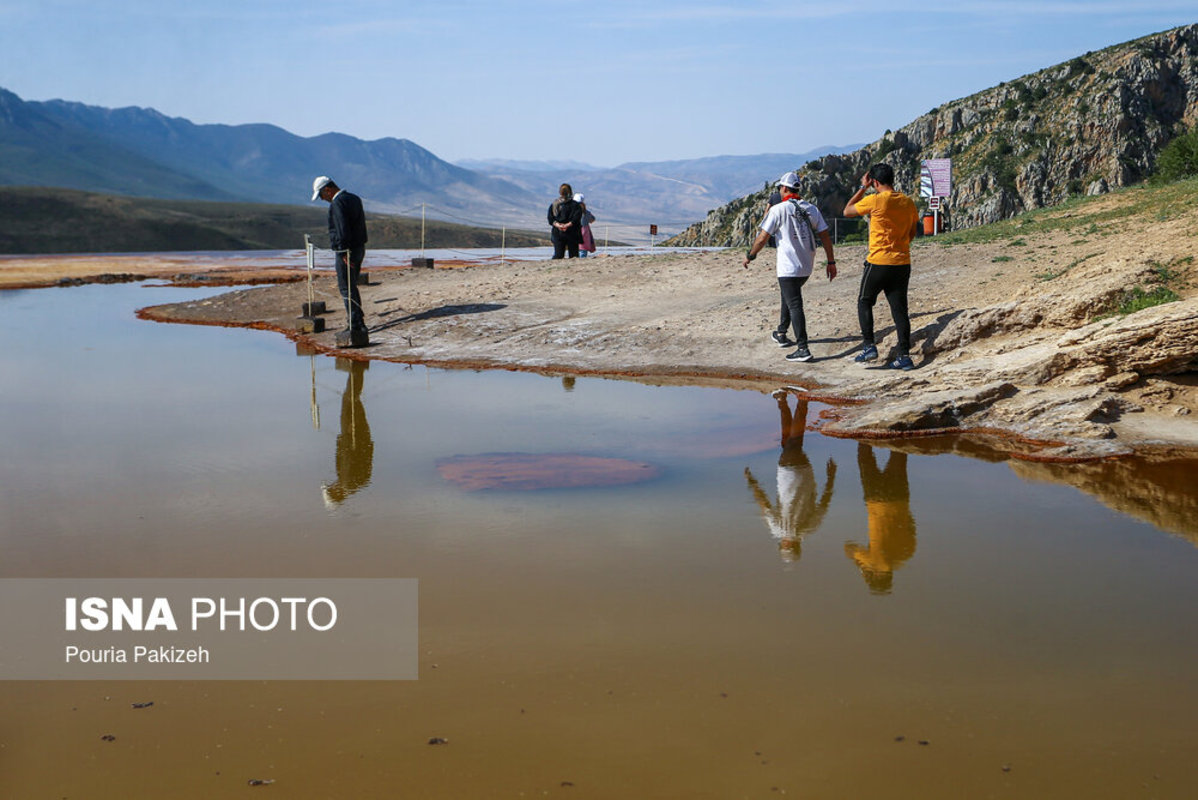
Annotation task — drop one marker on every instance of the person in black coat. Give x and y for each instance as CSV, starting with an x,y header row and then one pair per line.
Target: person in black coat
x,y
565,223
347,239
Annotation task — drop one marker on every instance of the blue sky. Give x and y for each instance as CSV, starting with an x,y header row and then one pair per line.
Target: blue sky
x,y
601,82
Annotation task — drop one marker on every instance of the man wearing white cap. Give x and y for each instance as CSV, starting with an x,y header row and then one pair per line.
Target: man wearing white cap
x,y
795,224
347,239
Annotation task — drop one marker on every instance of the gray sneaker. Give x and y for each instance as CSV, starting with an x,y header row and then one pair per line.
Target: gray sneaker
x,y
781,340
800,354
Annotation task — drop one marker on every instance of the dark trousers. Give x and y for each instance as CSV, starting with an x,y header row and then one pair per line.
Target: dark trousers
x,y
893,280
792,308
347,284
563,243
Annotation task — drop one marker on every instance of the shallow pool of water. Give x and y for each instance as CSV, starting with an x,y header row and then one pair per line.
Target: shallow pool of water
x,y
751,609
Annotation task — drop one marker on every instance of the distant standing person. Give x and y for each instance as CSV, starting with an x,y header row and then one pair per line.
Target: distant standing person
x,y
565,223
795,223
347,239
587,245
893,220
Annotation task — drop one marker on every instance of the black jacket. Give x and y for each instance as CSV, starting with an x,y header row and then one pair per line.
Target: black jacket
x,y
347,222
562,210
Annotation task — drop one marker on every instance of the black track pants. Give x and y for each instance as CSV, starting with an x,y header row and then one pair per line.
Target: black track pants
x,y
792,308
893,280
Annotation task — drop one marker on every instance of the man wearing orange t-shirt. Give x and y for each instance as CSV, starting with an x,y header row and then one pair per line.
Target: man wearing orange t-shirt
x,y
893,221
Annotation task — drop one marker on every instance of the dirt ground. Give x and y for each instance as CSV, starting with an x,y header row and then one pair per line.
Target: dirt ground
x,y
1008,337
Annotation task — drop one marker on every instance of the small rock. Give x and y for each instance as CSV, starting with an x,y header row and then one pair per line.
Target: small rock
x,y
1121,380
438,740
260,781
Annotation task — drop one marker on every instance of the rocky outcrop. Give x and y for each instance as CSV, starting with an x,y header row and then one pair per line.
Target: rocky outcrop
x,y
1046,384
1086,126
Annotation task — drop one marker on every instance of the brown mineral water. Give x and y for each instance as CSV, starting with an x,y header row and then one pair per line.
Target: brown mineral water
x,y
654,592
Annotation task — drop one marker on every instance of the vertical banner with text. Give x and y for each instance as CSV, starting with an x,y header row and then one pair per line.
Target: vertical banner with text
x,y
936,177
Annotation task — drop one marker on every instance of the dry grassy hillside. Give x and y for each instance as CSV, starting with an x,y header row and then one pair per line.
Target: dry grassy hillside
x,y
46,220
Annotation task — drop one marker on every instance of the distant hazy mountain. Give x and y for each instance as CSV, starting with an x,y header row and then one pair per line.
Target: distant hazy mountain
x,y
733,176
488,164
38,148
669,193
141,152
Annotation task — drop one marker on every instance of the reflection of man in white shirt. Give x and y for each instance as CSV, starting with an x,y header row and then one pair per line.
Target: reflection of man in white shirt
x,y
795,224
798,512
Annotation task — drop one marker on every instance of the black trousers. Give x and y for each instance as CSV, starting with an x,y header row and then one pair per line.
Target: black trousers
x,y
347,284
893,280
792,308
563,243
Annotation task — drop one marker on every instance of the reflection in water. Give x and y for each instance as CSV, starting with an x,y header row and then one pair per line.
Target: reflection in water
x,y
532,471
613,619
1160,489
891,526
1162,492
797,512
355,448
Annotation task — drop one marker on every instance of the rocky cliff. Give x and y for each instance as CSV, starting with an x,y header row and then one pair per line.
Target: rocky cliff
x,y
1086,126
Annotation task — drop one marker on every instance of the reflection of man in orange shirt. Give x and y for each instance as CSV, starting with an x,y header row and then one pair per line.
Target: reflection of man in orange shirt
x,y
797,512
355,447
891,526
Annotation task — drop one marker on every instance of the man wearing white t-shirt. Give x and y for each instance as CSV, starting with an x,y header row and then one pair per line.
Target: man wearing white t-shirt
x,y
795,224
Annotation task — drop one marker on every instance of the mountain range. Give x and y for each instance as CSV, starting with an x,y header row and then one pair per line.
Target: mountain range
x,y
140,152
1086,126
669,193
